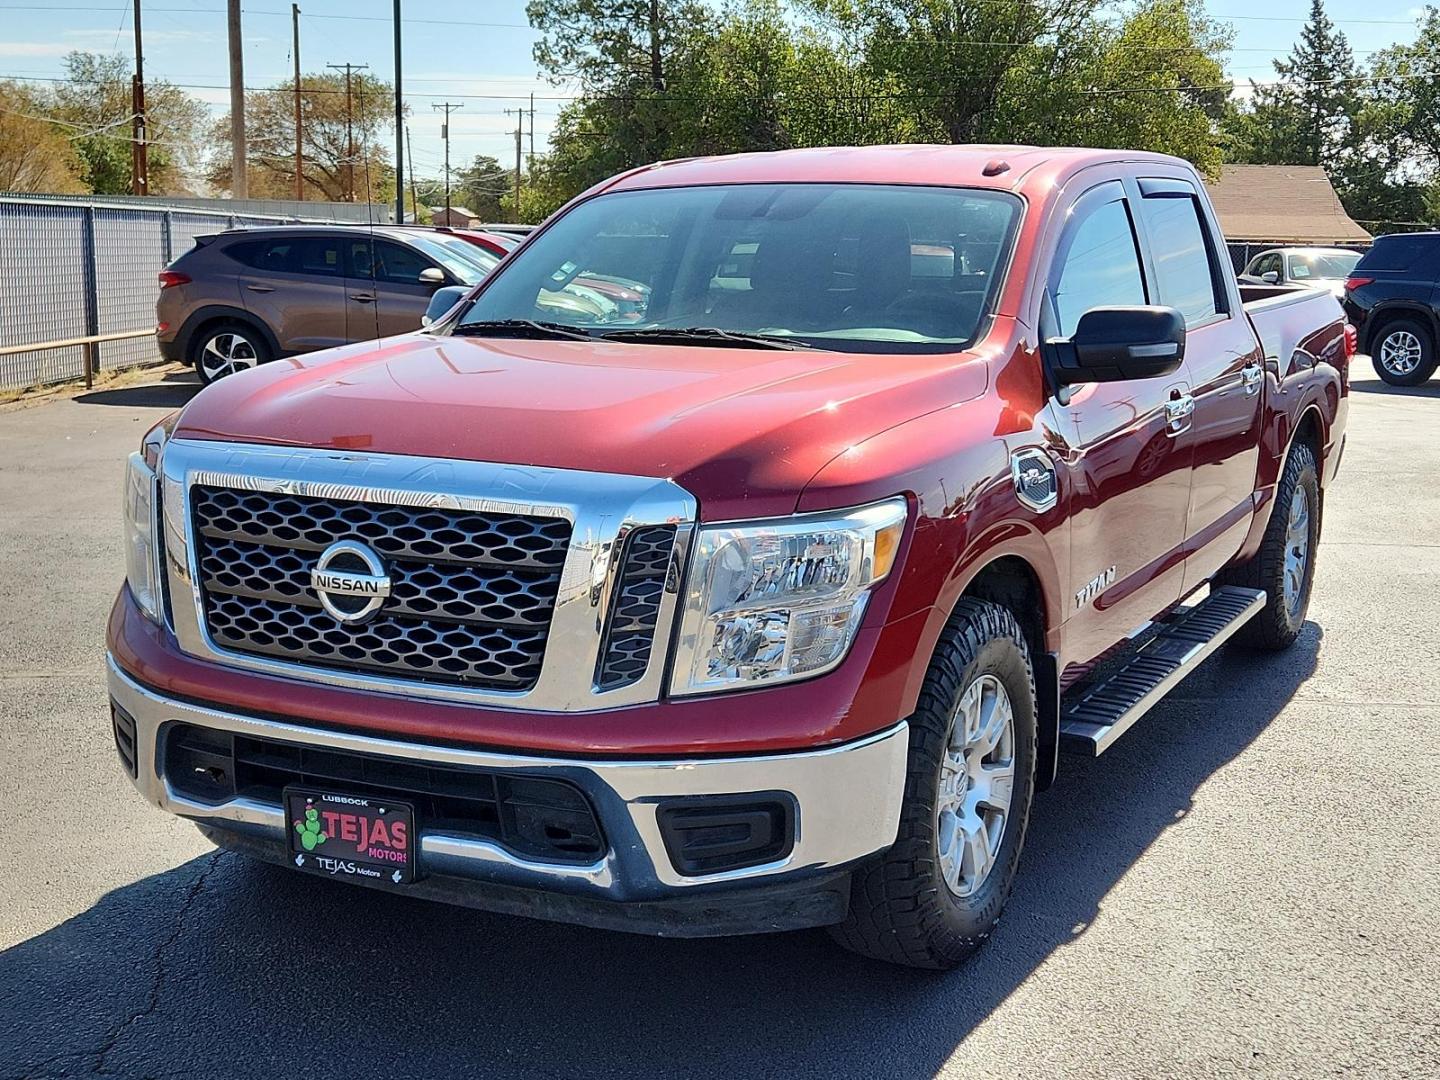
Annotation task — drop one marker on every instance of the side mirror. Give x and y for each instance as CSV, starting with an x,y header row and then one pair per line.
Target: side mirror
x,y
1270,277
1112,344
441,302
432,275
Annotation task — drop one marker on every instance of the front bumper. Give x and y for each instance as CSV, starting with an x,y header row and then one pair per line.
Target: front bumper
x,y
846,806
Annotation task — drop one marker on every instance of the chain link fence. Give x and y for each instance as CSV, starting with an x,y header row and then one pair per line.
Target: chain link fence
x,y
78,278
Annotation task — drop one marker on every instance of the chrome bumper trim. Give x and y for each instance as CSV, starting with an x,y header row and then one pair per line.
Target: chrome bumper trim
x,y
847,798
602,508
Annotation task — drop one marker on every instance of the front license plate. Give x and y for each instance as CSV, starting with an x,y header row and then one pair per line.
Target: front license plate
x,y
351,836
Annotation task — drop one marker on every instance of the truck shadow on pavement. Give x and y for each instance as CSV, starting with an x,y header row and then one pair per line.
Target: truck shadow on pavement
x,y
172,392
225,968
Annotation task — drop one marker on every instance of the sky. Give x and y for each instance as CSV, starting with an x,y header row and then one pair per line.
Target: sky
x,y
474,52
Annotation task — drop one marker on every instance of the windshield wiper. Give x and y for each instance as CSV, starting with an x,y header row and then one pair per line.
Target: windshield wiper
x,y
705,335
528,328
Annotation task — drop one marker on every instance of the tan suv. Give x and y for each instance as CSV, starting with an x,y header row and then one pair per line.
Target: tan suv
x,y
240,298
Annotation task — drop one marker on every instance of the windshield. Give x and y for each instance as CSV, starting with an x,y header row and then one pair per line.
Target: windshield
x,y
856,267
1323,264
466,262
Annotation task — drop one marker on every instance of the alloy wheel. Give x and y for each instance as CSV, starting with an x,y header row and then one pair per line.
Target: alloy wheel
x,y
1400,352
226,353
977,782
1297,550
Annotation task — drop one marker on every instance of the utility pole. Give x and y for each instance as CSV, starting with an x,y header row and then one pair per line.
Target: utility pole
x,y
239,170
530,164
349,70
299,122
410,153
445,134
399,131
519,131
139,158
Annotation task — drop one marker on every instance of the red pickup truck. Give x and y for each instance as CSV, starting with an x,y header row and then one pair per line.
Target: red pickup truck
x,y
765,601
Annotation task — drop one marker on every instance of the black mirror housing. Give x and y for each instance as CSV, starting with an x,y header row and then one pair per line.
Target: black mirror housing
x,y
441,301
1112,344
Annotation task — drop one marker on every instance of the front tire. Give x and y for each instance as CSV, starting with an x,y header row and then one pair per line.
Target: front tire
x,y
226,348
1284,567
1404,353
937,894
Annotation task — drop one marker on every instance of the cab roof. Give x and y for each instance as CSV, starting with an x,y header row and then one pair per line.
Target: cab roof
x,y
939,165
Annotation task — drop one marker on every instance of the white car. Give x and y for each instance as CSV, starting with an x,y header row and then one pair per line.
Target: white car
x,y
1314,267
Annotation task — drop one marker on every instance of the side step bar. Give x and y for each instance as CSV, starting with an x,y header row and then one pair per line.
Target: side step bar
x,y
1100,712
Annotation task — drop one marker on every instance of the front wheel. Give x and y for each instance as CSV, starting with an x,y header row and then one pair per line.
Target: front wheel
x,y
1404,353
936,895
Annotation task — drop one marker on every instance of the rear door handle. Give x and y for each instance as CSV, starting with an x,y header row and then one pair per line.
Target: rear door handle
x,y
1178,412
261,288
363,298
1250,377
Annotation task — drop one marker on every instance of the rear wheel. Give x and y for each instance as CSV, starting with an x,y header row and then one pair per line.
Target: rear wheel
x,y
226,348
1284,567
935,897
1404,353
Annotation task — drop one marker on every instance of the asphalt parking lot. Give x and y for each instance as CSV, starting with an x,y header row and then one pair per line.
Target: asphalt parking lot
x,y
1249,883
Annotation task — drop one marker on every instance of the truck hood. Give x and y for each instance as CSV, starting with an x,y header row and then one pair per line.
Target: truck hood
x,y
741,430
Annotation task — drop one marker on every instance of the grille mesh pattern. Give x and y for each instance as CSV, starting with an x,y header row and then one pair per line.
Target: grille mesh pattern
x,y
471,594
637,607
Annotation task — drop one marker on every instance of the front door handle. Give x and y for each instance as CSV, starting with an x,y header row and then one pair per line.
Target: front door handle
x,y
1251,376
261,288
363,298
1178,412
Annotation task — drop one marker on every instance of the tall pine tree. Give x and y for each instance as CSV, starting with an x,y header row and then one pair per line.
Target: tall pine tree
x,y
1305,118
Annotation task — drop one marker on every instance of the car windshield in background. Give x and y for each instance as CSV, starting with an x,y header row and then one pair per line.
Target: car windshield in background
x,y
855,267
1337,264
466,262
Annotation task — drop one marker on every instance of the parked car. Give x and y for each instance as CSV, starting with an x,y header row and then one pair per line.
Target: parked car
x,y
1393,298
499,244
1312,267
770,610
242,297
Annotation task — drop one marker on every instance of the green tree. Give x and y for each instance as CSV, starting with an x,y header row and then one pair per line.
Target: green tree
x,y
95,99
1305,118
328,131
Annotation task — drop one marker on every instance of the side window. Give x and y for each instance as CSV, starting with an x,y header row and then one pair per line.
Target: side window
x,y
272,255
1100,268
1184,267
318,256
399,265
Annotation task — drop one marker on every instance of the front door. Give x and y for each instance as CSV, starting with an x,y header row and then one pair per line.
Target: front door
x,y
1127,455
384,290
1226,366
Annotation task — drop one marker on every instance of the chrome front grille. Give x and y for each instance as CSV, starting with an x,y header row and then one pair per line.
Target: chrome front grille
x,y
552,590
472,593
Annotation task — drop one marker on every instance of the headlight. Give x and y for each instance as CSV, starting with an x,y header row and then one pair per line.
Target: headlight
x,y
142,557
779,600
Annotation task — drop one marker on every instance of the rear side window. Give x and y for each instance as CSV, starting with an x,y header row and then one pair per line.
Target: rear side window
x,y
1398,251
1100,268
315,255
1184,267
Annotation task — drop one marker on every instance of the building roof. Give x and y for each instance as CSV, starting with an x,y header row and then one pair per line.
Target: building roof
x,y
1282,204
454,210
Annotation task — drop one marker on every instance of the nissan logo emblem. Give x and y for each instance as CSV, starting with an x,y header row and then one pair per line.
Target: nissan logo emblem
x,y
350,581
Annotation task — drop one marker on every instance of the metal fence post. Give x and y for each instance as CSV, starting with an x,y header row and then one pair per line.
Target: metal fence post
x,y
92,296
167,244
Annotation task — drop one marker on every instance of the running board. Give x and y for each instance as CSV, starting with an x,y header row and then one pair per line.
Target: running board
x,y
1100,712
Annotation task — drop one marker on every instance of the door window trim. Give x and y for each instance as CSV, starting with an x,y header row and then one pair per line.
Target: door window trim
x,y
1080,210
1169,187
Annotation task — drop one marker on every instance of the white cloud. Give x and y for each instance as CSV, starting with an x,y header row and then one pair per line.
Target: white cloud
x,y
33,48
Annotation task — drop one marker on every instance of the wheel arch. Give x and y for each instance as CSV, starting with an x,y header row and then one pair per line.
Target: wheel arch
x,y
1010,581
1385,313
215,314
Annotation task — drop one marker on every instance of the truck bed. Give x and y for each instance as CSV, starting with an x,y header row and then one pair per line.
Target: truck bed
x,y
1286,317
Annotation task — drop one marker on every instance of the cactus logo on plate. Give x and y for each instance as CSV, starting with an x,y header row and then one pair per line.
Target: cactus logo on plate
x,y
360,837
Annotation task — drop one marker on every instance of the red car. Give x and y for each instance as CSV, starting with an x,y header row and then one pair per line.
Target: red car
x,y
767,604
